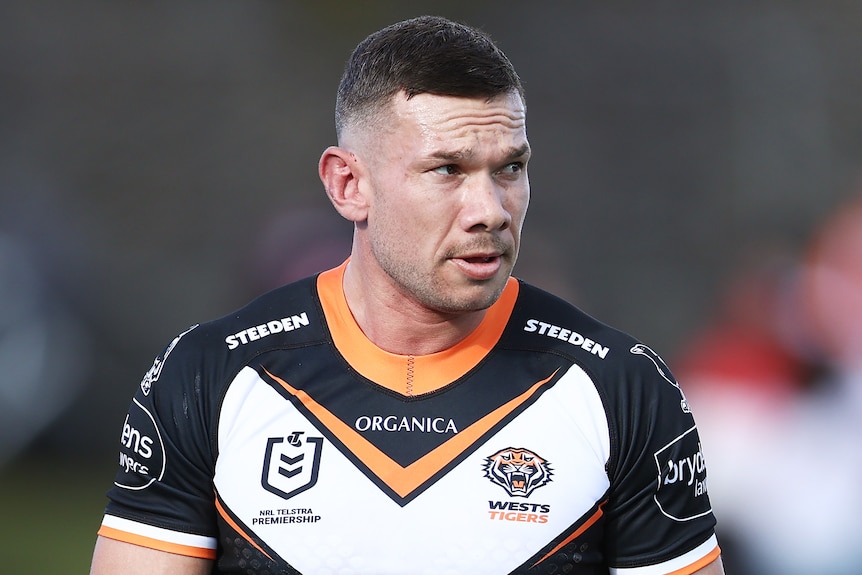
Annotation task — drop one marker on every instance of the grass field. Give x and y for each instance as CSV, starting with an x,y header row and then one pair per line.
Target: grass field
x,y
50,513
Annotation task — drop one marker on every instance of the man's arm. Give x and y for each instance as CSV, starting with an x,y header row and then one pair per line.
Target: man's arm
x,y
113,557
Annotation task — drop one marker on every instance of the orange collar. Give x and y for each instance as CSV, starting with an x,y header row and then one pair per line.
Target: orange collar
x,y
408,374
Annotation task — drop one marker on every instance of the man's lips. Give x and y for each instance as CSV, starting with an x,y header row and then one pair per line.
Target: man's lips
x,y
479,266
479,259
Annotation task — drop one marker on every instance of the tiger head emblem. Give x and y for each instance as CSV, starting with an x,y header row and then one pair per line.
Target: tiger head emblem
x,y
518,471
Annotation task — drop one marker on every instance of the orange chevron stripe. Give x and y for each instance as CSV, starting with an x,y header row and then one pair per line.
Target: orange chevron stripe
x,y
578,532
404,480
237,528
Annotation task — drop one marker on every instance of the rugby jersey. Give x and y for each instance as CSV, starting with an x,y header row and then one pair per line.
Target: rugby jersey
x,y
279,439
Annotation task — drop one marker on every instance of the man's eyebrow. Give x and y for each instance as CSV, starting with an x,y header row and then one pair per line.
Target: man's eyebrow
x,y
520,151
452,156
455,156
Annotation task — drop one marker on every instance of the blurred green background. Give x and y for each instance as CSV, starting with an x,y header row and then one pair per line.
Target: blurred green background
x,y
51,510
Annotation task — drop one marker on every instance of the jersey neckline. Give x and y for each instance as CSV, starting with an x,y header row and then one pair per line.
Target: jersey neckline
x,y
409,374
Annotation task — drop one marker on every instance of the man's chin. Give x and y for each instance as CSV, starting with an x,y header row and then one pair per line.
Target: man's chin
x,y
480,298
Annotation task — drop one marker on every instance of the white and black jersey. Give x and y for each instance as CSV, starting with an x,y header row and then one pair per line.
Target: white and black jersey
x,y
279,439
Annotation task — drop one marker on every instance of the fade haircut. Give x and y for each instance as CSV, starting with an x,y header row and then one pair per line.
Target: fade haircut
x,y
428,54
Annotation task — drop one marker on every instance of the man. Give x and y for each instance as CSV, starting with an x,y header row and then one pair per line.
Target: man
x,y
416,409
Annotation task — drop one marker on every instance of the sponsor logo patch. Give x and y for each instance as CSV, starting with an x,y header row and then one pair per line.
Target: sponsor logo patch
x,y
567,335
519,471
291,464
267,329
682,489
142,455
402,424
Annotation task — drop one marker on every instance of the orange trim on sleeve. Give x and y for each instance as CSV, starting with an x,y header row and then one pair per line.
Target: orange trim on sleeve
x,y
157,544
699,564
430,372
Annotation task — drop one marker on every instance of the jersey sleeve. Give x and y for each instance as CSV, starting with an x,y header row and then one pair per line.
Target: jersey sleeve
x,y
162,495
659,518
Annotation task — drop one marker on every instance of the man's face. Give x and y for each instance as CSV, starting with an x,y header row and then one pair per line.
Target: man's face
x,y
449,191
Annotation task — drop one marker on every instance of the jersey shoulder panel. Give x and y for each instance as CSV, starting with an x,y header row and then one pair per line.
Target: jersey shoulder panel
x,y
163,490
289,316
544,322
658,508
625,371
286,317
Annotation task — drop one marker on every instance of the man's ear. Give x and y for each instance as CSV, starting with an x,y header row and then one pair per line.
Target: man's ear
x,y
341,173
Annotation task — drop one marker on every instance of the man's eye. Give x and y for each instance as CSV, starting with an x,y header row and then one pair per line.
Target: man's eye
x,y
447,170
513,168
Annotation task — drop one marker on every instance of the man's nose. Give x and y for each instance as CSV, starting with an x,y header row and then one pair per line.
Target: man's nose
x,y
483,204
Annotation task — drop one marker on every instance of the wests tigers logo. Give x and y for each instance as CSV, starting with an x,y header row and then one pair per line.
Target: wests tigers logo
x,y
519,471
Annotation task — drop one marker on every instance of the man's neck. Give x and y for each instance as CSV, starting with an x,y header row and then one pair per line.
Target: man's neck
x,y
400,325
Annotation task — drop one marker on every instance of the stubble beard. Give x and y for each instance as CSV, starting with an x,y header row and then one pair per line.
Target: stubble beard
x,y
431,290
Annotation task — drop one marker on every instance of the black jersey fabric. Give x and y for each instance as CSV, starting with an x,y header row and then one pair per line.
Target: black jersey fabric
x,y
279,439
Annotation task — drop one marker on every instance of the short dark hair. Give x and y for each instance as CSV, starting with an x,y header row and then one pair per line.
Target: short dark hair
x,y
428,54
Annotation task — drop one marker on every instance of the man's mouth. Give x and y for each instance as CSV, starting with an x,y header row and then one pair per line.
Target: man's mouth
x,y
481,267
480,259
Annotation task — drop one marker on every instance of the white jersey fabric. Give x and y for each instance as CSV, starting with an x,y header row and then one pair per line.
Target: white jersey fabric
x,y
280,440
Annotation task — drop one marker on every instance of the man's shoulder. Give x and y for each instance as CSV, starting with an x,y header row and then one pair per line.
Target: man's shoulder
x,y
543,320
287,317
617,362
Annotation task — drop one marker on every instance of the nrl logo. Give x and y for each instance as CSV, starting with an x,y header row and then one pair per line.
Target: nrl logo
x,y
291,464
518,471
